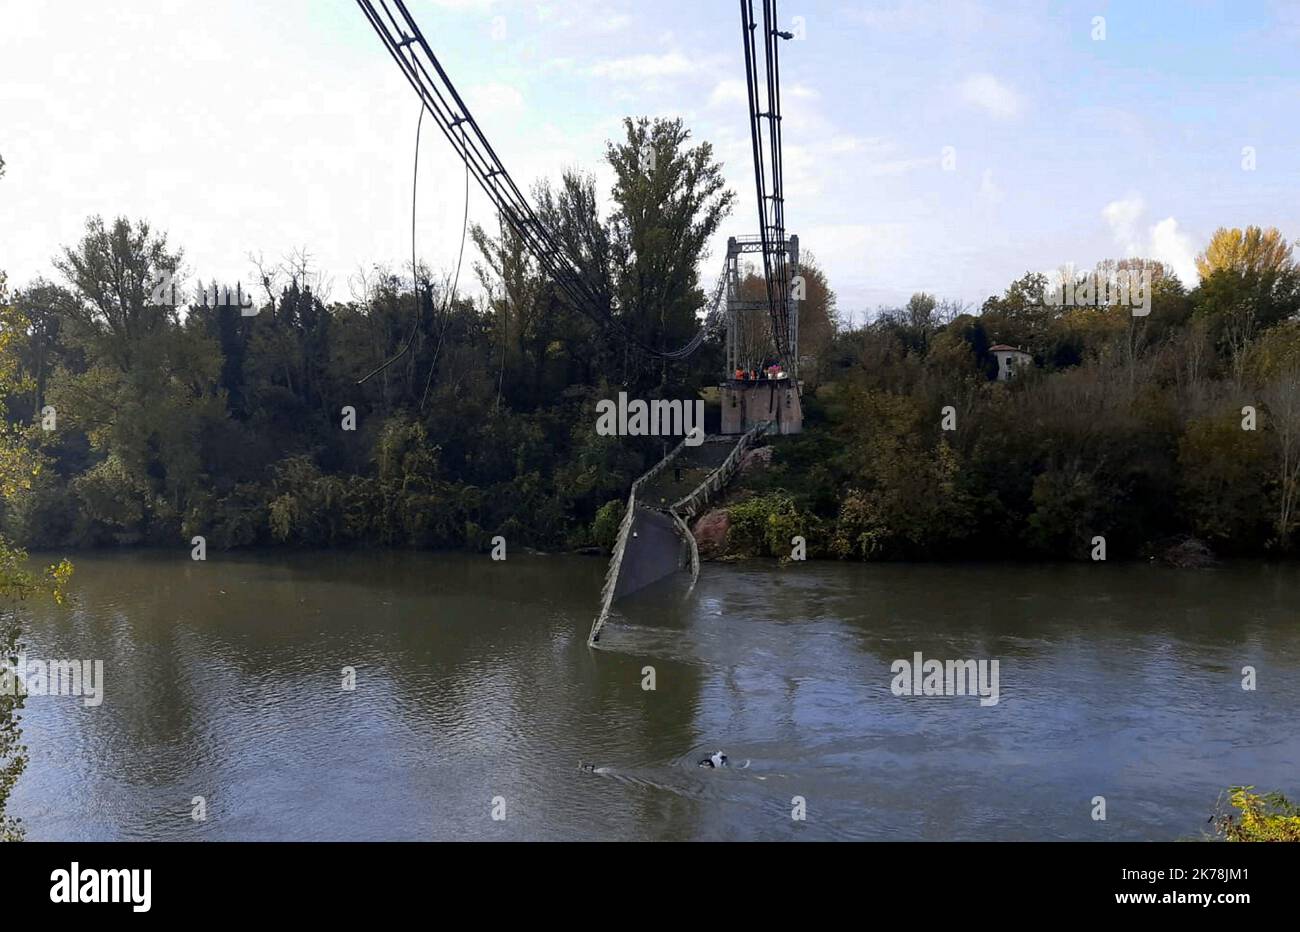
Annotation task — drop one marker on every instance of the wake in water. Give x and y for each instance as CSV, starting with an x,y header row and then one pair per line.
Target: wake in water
x,y
718,760
654,777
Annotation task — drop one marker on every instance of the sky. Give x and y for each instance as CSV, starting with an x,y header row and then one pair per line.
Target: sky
x,y
946,146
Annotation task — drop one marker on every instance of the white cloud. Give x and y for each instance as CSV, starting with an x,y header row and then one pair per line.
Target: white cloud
x,y
989,192
990,94
641,67
612,22
466,6
496,99
1163,242
730,91
1122,217
929,16
22,20
1169,244
582,18
866,256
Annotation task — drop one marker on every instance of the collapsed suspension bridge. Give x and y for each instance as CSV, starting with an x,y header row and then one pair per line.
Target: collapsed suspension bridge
x,y
654,539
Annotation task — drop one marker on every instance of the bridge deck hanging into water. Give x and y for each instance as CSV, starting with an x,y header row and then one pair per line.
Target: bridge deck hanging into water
x,y
655,539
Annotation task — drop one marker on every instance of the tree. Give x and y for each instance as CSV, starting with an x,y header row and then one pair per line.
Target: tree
x,y
1021,316
535,327
754,323
1222,472
669,201
149,387
818,313
18,466
906,497
122,276
44,306
1249,282
1251,251
1277,363
818,317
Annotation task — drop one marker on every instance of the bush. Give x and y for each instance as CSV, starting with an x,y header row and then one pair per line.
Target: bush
x,y
112,497
43,518
763,525
1270,817
859,530
604,530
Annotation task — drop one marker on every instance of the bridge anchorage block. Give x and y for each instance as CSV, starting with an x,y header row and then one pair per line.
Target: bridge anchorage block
x,y
749,403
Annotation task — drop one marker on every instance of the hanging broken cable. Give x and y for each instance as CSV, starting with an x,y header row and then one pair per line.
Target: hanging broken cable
x,y
451,295
415,274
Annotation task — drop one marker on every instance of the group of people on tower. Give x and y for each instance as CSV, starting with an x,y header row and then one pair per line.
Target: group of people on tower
x,y
771,369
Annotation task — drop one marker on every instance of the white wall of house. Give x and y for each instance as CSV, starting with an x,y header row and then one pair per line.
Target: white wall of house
x,y
1009,361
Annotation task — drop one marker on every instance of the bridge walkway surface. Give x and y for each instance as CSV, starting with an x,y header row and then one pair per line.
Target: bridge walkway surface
x,y
654,539
685,473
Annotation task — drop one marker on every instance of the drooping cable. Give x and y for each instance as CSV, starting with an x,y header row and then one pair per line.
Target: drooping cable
x,y
415,274
450,299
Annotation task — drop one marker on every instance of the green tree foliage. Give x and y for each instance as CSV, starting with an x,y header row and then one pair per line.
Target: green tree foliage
x,y
1128,426
474,416
670,200
907,495
1223,471
1249,283
604,530
763,525
19,467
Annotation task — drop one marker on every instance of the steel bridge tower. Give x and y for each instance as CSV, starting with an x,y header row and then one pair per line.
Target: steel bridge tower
x,y
746,401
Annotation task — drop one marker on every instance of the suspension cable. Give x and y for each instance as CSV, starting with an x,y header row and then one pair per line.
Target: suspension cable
x,y
409,49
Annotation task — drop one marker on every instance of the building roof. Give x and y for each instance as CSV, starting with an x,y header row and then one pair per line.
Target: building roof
x,y
1003,348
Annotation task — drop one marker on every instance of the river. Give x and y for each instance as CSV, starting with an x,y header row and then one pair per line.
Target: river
x,y
476,696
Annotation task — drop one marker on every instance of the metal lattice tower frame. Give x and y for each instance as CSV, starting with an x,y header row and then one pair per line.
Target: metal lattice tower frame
x,y
740,310
765,133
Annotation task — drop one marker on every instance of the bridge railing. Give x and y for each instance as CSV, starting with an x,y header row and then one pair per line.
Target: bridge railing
x,y
620,544
681,511
692,504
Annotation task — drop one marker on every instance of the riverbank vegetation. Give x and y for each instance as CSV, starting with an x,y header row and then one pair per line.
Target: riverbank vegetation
x,y
19,470
391,416
1157,432
427,417
1258,817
